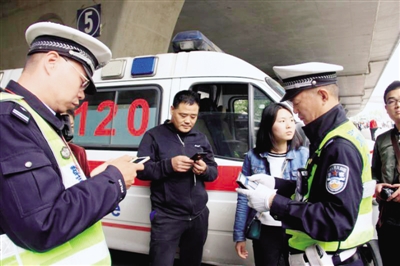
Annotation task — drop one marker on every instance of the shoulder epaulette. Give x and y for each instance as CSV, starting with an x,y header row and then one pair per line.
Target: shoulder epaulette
x,y
21,113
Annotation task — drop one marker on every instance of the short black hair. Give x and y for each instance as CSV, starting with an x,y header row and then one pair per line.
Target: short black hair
x,y
188,97
394,85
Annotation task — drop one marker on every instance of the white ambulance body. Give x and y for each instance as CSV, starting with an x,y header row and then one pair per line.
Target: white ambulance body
x,y
135,94
231,84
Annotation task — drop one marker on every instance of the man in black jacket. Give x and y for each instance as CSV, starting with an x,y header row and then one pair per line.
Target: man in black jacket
x,y
179,215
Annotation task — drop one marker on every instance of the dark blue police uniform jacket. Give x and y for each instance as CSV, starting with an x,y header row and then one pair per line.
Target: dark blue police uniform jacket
x,y
36,211
326,216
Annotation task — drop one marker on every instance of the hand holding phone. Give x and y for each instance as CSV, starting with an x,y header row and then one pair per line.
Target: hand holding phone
x,y
198,155
140,159
245,183
123,165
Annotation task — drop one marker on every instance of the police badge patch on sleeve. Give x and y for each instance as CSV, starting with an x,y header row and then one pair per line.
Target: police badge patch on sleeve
x,y
336,180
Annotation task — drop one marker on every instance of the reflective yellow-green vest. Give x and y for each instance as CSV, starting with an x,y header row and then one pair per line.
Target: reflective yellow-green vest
x,y
87,248
363,229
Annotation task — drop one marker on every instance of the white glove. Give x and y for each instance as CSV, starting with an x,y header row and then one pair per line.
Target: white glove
x,y
264,179
258,198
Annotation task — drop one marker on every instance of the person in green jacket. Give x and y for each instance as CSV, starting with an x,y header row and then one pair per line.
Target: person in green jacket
x,y
386,170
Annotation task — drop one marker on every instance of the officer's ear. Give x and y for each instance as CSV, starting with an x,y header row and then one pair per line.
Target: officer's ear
x,y
324,94
50,61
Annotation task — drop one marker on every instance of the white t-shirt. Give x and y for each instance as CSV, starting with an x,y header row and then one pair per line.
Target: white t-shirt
x,y
277,164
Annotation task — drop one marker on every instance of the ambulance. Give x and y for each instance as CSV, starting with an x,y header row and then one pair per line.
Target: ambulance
x,y
135,95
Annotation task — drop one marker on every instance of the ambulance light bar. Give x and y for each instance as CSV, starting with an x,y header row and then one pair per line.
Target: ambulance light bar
x,y
193,40
114,69
275,86
144,66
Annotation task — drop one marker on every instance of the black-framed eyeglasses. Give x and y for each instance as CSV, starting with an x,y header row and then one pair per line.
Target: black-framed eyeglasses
x,y
392,102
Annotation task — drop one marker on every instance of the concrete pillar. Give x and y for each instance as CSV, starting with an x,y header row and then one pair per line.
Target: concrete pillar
x,y
128,27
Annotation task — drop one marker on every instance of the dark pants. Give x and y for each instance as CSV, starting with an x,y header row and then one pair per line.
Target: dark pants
x,y
168,234
272,247
388,236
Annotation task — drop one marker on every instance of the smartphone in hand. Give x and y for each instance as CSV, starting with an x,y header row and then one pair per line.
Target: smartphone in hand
x,y
198,155
245,183
140,159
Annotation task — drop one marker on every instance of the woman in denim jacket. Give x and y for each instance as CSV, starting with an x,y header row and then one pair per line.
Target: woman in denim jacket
x,y
278,152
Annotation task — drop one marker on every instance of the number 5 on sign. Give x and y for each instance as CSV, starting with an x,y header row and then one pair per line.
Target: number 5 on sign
x,y
89,20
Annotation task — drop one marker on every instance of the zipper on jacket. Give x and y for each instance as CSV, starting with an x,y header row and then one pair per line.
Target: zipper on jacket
x,y
183,144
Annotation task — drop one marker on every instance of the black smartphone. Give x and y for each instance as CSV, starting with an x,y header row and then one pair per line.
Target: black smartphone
x,y
198,155
140,159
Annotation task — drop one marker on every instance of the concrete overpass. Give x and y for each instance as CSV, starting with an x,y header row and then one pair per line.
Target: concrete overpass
x,y
360,35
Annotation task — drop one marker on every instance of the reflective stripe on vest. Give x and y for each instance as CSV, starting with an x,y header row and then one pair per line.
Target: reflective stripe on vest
x,y
87,248
364,229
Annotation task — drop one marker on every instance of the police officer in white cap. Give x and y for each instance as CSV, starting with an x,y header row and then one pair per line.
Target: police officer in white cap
x,y
49,210
328,213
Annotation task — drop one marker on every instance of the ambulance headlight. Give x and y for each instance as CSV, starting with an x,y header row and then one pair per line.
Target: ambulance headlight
x,y
193,40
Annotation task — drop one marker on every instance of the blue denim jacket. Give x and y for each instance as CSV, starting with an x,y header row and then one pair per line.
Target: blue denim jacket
x,y
256,164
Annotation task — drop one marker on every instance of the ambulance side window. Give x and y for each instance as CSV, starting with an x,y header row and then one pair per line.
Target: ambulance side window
x,y
260,102
224,118
116,117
